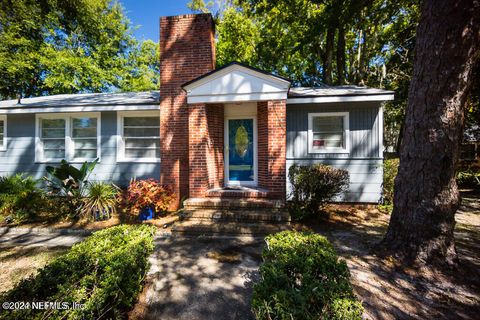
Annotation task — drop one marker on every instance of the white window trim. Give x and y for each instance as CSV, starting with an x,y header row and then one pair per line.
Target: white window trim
x,y
4,146
121,141
346,129
69,145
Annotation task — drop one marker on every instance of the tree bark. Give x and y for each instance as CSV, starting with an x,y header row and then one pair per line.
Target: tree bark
x,y
327,65
341,55
426,194
362,57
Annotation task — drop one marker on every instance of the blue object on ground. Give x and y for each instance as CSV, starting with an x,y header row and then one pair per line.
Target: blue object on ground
x,y
146,214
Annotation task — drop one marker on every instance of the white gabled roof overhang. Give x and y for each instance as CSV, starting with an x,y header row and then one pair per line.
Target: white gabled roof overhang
x,y
236,83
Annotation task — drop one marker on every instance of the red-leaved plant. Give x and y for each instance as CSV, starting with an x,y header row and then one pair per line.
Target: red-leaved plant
x,y
146,193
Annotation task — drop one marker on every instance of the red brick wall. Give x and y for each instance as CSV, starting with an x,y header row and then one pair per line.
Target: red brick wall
x,y
272,147
215,124
206,148
187,51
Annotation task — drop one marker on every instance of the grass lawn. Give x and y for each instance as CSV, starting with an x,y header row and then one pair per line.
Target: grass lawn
x,y
17,263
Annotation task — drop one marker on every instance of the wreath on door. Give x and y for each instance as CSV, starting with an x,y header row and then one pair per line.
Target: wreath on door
x,y
241,141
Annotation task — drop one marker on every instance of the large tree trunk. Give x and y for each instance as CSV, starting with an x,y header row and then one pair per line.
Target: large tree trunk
x,y
362,57
426,194
328,59
341,55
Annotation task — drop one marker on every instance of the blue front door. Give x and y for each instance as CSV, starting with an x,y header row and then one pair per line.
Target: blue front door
x,y
241,152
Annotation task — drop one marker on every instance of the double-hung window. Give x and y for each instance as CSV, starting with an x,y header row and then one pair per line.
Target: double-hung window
x,y
3,133
328,132
139,136
74,137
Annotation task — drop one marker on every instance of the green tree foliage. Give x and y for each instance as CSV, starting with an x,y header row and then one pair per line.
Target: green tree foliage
x,y
142,70
235,24
199,6
70,46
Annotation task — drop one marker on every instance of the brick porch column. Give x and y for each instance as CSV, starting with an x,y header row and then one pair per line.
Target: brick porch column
x,y
272,147
205,148
187,51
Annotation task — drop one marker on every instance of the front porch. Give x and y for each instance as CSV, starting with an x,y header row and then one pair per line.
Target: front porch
x,y
237,150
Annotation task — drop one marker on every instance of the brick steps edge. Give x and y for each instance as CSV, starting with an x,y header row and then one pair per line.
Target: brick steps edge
x,y
238,215
220,228
231,203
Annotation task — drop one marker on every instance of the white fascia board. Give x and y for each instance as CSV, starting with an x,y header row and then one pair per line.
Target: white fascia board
x,y
221,73
359,98
237,97
26,110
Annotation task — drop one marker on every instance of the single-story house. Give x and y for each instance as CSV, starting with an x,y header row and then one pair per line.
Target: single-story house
x,y
227,132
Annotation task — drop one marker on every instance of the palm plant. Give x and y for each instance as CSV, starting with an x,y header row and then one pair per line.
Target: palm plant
x,y
69,182
100,200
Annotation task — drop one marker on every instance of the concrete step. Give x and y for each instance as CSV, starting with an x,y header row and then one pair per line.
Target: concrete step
x,y
191,227
238,192
238,215
232,203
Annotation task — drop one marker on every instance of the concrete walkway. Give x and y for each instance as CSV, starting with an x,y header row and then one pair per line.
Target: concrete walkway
x,y
200,278
40,237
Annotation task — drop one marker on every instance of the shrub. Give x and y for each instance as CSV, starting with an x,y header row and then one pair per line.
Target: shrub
x,y
69,182
105,272
313,186
146,193
302,278
390,170
20,197
468,177
100,201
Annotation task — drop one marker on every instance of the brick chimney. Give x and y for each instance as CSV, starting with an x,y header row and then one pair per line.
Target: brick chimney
x,y
187,51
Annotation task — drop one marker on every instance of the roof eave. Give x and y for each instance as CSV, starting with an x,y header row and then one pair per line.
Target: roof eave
x,y
341,98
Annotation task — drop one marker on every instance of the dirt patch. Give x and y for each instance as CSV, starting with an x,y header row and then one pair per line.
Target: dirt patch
x,y
18,263
390,292
226,255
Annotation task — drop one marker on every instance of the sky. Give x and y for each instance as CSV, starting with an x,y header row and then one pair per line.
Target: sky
x,y
146,15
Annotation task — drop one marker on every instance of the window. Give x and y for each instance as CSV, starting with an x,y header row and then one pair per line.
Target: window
x,y
3,133
84,138
328,132
74,137
52,136
139,136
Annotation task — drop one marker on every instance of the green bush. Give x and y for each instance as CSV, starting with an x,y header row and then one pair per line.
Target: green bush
x,y
468,177
302,278
390,170
20,197
313,186
105,273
